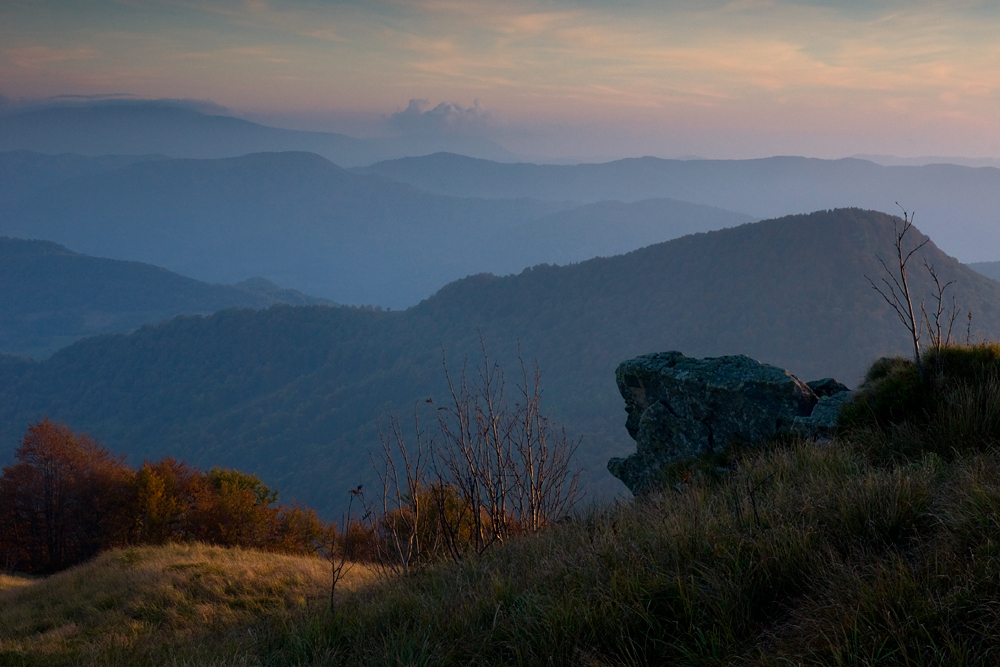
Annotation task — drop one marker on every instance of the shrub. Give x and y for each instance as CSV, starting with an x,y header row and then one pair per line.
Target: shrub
x,y
949,405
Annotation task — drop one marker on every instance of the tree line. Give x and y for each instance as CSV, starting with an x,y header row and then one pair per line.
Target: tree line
x,y
491,469
65,498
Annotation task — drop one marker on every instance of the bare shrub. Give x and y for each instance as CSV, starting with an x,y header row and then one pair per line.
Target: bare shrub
x,y
497,468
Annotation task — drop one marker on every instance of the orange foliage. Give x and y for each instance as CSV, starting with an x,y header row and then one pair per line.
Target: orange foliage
x,y
65,498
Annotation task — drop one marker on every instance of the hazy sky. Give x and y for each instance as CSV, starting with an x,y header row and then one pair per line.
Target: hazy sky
x,y
548,77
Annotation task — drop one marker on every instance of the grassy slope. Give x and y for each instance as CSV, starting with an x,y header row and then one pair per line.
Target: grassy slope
x,y
13,580
158,605
796,554
840,562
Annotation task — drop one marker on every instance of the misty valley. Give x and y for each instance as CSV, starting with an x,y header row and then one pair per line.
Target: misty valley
x,y
198,312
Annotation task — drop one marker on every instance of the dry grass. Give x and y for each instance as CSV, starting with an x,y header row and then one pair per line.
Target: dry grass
x,y
799,554
176,604
878,548
792,554
14,580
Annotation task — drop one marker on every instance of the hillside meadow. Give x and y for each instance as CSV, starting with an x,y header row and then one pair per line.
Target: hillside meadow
x,y
179,603
878,547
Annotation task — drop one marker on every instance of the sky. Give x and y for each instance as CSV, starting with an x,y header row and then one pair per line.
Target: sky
x,y
554,78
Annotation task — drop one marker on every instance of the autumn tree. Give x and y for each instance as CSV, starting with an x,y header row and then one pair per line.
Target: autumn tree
x,y
64,499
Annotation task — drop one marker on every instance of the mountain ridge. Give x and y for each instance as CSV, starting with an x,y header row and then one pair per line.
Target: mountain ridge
x,y
301,221
159,127
957,205
53,296
293,394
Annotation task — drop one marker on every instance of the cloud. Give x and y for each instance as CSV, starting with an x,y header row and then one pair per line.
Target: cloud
x,y
40,57
24,104
420,119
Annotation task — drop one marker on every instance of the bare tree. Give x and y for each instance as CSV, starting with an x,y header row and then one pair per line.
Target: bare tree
x,y
897,289
545,487
342,549
471,455
497,469
511,469
939,337
394,518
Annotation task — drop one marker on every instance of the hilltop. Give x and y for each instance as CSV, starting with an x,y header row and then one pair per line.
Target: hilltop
x,y
53,296
878,546
292,394
160,603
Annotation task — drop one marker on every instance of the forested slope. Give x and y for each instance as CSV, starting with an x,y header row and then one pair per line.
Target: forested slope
x,y
292,394
301,221
52,296
293,218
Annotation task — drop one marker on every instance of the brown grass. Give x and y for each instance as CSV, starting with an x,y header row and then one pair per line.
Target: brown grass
x,y
13,580
137,605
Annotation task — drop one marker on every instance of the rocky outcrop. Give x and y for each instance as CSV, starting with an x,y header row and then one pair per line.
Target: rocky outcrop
x,y
679,407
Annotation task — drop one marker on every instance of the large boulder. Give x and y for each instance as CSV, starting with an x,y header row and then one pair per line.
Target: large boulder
x,y
679,407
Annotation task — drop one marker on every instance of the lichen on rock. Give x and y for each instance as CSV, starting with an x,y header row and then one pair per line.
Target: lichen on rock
x,y
679,407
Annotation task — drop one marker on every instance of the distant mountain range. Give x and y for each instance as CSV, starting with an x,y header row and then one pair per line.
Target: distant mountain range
x,y
293,393
958,206
26,173
988,269
131,128
894,161
301,221
52,297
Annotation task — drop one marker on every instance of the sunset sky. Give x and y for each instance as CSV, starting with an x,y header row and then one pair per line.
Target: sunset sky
x,y
748,78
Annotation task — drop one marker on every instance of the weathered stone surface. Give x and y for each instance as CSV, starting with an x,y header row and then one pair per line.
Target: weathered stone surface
x,y
827,387
821,422
679,407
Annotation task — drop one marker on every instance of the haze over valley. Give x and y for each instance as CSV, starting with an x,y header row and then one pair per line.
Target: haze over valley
x,y
150,219
565,332
146,211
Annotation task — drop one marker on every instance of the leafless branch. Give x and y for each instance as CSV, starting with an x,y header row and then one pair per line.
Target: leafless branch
x,y
897,288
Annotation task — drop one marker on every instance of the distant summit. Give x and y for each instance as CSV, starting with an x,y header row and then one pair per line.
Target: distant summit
x,y
893,161
957,205
988,269
137,128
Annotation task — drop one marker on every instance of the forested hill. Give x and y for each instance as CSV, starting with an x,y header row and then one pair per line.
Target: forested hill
x,y
956,205
52,296
292,393
305,223
294,218
25,173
